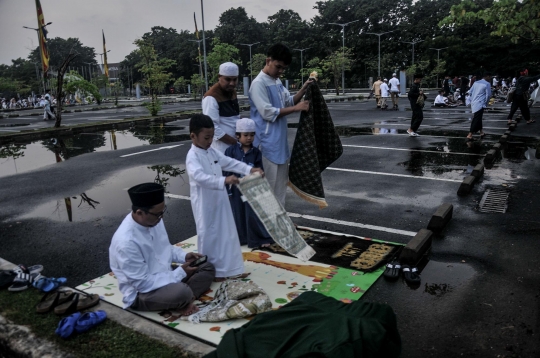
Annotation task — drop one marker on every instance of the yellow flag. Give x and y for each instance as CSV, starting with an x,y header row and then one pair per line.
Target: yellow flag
x,y
105,67
42,39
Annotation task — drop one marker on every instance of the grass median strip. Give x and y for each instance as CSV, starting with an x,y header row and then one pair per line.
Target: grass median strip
x,y
110,339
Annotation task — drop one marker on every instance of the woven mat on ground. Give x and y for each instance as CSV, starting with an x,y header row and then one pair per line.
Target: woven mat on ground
x,y
256,190
283,278
354,253
316,146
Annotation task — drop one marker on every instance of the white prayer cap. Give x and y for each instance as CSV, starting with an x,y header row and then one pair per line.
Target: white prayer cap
x,y
385,80
394,74
245,125
228,69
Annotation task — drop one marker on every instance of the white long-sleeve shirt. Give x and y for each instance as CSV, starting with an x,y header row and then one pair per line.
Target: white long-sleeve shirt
x,y
141,259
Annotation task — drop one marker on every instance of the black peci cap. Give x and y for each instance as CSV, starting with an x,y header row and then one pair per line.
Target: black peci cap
x,y
147,194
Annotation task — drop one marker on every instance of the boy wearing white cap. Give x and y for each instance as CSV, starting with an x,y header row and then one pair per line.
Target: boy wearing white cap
x,y
250,229
221,104
394,90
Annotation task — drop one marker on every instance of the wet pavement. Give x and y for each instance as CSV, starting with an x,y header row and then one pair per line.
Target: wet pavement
x,y
479,295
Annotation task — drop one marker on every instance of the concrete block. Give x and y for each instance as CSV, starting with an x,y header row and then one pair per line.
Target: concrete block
x,y
441,217
419,245
508,133
537,154
503,139
466,186
490,156
478,171
512,127
497,147
12,115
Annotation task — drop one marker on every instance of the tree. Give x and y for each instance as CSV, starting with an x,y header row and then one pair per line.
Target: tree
x,y
180,84
221,53
257,63
197,83
335,62
518,20
60,94
154,70
60,48
77,85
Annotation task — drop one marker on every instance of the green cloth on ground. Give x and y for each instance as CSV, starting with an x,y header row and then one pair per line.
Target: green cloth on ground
x,y
314,325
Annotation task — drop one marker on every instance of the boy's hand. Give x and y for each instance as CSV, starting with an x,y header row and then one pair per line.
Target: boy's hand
x,y
257,170
188,269
302,106
307,83
232,180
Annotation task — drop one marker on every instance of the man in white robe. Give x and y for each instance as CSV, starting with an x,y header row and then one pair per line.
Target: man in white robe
x,y
141,255
221,104
217,236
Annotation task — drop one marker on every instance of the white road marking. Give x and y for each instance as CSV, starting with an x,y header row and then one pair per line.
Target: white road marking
x,y
151,150
353,224
393,175
410,150
326,220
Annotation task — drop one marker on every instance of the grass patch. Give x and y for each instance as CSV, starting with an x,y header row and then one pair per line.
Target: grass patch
x,y
109,339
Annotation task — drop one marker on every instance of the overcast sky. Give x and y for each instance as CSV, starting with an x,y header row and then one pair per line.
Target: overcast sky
x,y
122,20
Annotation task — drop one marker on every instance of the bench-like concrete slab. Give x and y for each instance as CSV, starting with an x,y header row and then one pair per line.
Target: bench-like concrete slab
x,y
466,186
441,217
416,248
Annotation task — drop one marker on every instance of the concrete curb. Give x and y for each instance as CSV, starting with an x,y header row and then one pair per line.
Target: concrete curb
x,y
419,246
441,218
478,171
490,156
466,186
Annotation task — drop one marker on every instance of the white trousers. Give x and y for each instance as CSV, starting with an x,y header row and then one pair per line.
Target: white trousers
x,y
278,177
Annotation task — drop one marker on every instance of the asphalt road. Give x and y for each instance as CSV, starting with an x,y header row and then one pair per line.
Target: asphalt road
x,y
479,295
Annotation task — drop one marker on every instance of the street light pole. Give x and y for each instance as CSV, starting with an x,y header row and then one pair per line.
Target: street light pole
x,y
413,43
250,64
438,51
40,49
343,52
379,34
301,60
200,65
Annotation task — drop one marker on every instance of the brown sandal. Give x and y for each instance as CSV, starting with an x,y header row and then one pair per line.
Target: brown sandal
x,y
53,299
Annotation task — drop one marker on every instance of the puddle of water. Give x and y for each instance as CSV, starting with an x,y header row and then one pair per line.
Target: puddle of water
x,y
21,157
110,196
441,278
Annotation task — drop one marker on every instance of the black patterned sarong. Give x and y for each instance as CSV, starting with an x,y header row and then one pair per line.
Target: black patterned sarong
x,y
316,146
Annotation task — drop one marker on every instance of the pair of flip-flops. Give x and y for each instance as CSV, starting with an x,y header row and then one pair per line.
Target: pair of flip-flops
x,y
20,277
79,323
48,284
410,274
53,299
73,303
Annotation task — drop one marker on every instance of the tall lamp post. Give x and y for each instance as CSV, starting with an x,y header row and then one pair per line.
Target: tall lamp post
x,y
413,43
250,64
438,51
379,35
204,48
343,51
89,70
301,60
200,65
40,50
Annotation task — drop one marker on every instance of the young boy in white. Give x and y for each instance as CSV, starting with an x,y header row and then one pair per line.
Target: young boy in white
x,y
216,230
385,93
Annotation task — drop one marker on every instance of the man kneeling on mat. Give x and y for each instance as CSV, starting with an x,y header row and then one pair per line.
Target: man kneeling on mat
x,y
141,255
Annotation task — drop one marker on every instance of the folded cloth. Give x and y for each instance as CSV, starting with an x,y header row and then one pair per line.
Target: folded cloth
x,y
316,146
313,325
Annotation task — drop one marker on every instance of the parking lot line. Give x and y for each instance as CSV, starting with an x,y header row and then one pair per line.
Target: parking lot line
x,y
326,220
391,174
410,150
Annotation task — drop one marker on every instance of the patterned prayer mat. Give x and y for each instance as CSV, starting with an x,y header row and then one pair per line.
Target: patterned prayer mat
x,y
343,251
256,190
282,277
316,146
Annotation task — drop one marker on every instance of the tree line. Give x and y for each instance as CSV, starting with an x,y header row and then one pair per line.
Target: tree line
x,y
498,36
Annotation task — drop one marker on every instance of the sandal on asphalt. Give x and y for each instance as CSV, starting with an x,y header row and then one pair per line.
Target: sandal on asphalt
x,y
89,320
392,270
87,301
53,299
22,281
69,306
48,284
411,275
531,121
67,325
24,269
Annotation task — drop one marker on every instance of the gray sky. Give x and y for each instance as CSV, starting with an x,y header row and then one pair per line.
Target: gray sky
x,y
123,21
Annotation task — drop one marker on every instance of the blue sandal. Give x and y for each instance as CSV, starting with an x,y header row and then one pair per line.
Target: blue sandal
x,y
48,284
89,320
67,325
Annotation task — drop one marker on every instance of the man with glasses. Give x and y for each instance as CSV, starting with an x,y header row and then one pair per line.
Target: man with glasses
x,y
141,256
270,103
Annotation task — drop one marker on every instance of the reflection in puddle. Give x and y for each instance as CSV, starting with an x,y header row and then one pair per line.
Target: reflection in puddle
x,y
110,197
21,157
441,278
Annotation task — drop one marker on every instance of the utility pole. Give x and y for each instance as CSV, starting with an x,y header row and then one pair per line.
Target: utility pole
x,y
250,64
302,60
438,51
343,52
379,34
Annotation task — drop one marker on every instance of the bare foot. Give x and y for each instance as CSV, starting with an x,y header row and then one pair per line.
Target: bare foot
x,y
189,310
